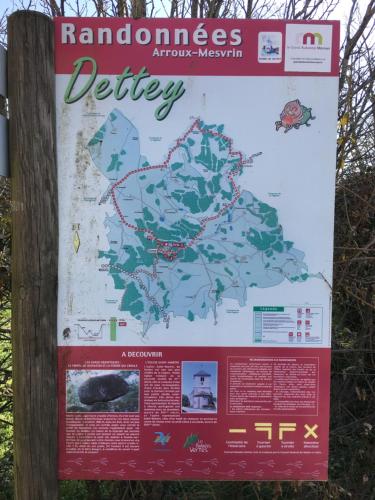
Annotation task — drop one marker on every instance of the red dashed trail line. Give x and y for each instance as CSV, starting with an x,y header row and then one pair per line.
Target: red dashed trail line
x,y
170,250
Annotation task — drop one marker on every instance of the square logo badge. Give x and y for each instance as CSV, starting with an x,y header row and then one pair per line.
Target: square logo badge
x,y
270,47
308,48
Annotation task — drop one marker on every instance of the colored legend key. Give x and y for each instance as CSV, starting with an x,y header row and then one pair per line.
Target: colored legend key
x,y
283,324
113,329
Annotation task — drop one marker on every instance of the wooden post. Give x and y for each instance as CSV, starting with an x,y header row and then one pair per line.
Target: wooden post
x,y
31,92
4,166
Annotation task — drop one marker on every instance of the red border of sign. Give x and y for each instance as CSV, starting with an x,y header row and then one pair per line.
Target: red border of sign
x,y
112,59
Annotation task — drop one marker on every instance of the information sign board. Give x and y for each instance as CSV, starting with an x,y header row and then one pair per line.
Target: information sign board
x,y
196,171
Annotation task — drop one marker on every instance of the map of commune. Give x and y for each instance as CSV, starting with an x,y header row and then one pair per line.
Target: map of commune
x,y
184,235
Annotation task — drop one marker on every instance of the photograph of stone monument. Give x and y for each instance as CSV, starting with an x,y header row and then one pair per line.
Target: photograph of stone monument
x,y
102,391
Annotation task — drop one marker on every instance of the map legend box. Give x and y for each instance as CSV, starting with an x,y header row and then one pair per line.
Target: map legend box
x,y
287,324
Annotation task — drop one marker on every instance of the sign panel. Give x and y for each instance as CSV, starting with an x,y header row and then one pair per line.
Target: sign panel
x,y
196,194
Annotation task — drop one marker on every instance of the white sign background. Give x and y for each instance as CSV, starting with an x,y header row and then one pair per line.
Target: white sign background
x,y
299,164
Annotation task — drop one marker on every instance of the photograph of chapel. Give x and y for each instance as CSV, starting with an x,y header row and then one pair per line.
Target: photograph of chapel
x,y
199,387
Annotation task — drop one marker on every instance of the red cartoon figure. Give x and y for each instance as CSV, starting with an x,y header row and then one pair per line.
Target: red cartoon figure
x,y
294,115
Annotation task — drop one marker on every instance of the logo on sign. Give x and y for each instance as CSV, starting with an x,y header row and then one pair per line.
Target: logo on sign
x,y
161,438
196,445
310,38
190,440
308,48
269,47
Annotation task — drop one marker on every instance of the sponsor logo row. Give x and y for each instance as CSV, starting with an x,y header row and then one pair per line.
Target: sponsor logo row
x,y
269,431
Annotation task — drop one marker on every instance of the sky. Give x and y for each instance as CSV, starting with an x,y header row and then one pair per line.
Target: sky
x,y
341,12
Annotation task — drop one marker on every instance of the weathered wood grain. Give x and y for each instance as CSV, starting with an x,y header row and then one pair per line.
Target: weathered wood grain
x,y
31,91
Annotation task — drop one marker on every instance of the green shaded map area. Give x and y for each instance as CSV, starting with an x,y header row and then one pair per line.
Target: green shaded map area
x,y
184,235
